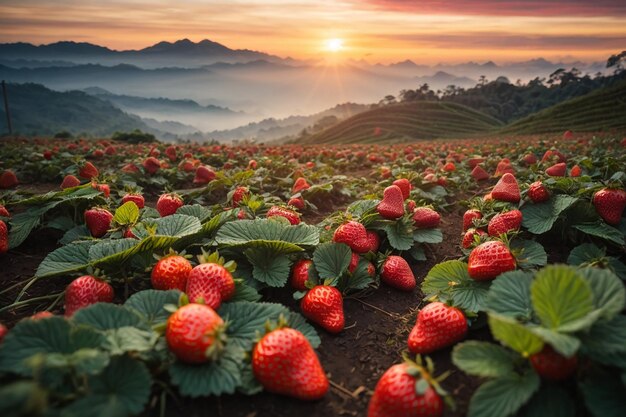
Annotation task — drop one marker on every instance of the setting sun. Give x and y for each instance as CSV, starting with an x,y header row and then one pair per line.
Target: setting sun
x,y
334,45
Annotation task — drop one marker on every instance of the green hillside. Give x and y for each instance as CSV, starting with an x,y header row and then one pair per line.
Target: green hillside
x,y
407,121
597,111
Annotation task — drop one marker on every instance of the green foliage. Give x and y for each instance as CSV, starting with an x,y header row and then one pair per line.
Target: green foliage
x,y
331,260
134,136
450,282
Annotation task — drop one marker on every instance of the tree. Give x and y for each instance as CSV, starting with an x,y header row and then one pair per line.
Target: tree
x,y
617,61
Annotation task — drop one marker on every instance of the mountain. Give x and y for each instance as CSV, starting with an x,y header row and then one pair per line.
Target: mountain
x,y
442,79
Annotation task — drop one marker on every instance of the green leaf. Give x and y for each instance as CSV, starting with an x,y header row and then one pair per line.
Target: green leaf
x,y
450,281
550,400
606,337
127,213
604,394
400,233
245,319
67,259
609,293
563,343
360,207
263,232
514,335
417,253
176,225
428,236
22,398
106,316
269,267
244,292
195,210
331,260
150,304
483,359
219,377
79,232
298,322
23,223
602,230
539,218
587,252
130,339
503,396
357,280
531,253
562,299
112,251
509,295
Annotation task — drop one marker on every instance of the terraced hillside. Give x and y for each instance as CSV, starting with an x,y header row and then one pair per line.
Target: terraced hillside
x,y
600,110
407,121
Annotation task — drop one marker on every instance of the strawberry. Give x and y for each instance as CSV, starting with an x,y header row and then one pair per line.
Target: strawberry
x,y
297,202
47,155
98,221
469,216
8,179
552,365
204,175
490,259
135,198
373,241
292,216
4,212
252,164
576,171
405,186
426,218
473,162
41,315
397,273
410,206
610,204
84,291
212,282
529,159
396,395
300,274
557,170
103,188
151,165
553,155
168,203
469,237
130,168
171,273
3,332
354,235
437,326
323,305
300,185
354,262
538,193
449,167
505,222
195,333
239,194
479,174
506,189
170,152
4,237
392,204
284,362
70,181
88,171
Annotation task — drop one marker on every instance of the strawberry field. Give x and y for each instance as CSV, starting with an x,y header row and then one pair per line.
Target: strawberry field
x,y
480,277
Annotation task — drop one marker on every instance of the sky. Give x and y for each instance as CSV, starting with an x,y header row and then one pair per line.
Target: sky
x,y
425,31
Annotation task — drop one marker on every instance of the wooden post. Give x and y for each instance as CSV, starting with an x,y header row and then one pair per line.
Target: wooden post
x,y
6,106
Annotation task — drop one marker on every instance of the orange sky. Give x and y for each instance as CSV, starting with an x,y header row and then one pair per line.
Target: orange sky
x,y
426,31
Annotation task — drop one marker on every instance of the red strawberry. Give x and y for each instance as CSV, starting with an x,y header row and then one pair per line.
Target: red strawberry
x,y
4,237
195,333
285,363
292,216
168,203
171,273
297,202
103,188
405,186
300,185
575,171
354,262
426,218
530,159
449,167
41,315
98,153
505,222
170,151
473,162
3,332
8,179
392,204
212,282
98,221
468,237
610,204
354,235
469,216
47,155
506,189
552,365
204,175
130,168
396,395
252,164
84,291
538,193
300,274
437,326
88,171
490,259
553,155
323,305
135,198
70,181
397,273
239,194
151,165
373,241
4,212
479,174
410,206
557,170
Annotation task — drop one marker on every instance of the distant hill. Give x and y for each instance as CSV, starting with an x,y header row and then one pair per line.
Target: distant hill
x,y
599,110
407,121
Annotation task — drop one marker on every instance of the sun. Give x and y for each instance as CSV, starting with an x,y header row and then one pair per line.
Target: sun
x,y
334,45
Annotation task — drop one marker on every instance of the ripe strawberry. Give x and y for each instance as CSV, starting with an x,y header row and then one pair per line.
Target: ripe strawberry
x,y
396,395
195,333
3,332
168,203
41,315
297,202
84,291
610,204
323,305
285,363
479,174
4,212
98,221
301,184
354,235
553,155
392,204
552,365
292,216
538,193
204,175
529,159
410,206
8,179
490,259
557,170
300,274
426,218
468,237
449,167
4,237
239,194
437,326
373,241
151,165
354,262
397,273
135,198
506,189
70,181
47,155
576,171
473,162
252,164
88,171
171,273
211,282
130,168
469,216
103,188
505,222
405,186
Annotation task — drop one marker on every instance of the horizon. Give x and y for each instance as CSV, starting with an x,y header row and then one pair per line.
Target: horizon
x,y
380,31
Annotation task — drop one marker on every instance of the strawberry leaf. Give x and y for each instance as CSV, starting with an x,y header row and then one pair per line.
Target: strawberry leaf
x,y
244,292
331,260
530,254
565,344
509,295
602,230
267,233
503,396
400,233
107,316
151,304
126,214
539,218
608,291
604,394
196,210
450,282
483,359
514,335
71,258
268,266
550,400
606,337
428,236
79,232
